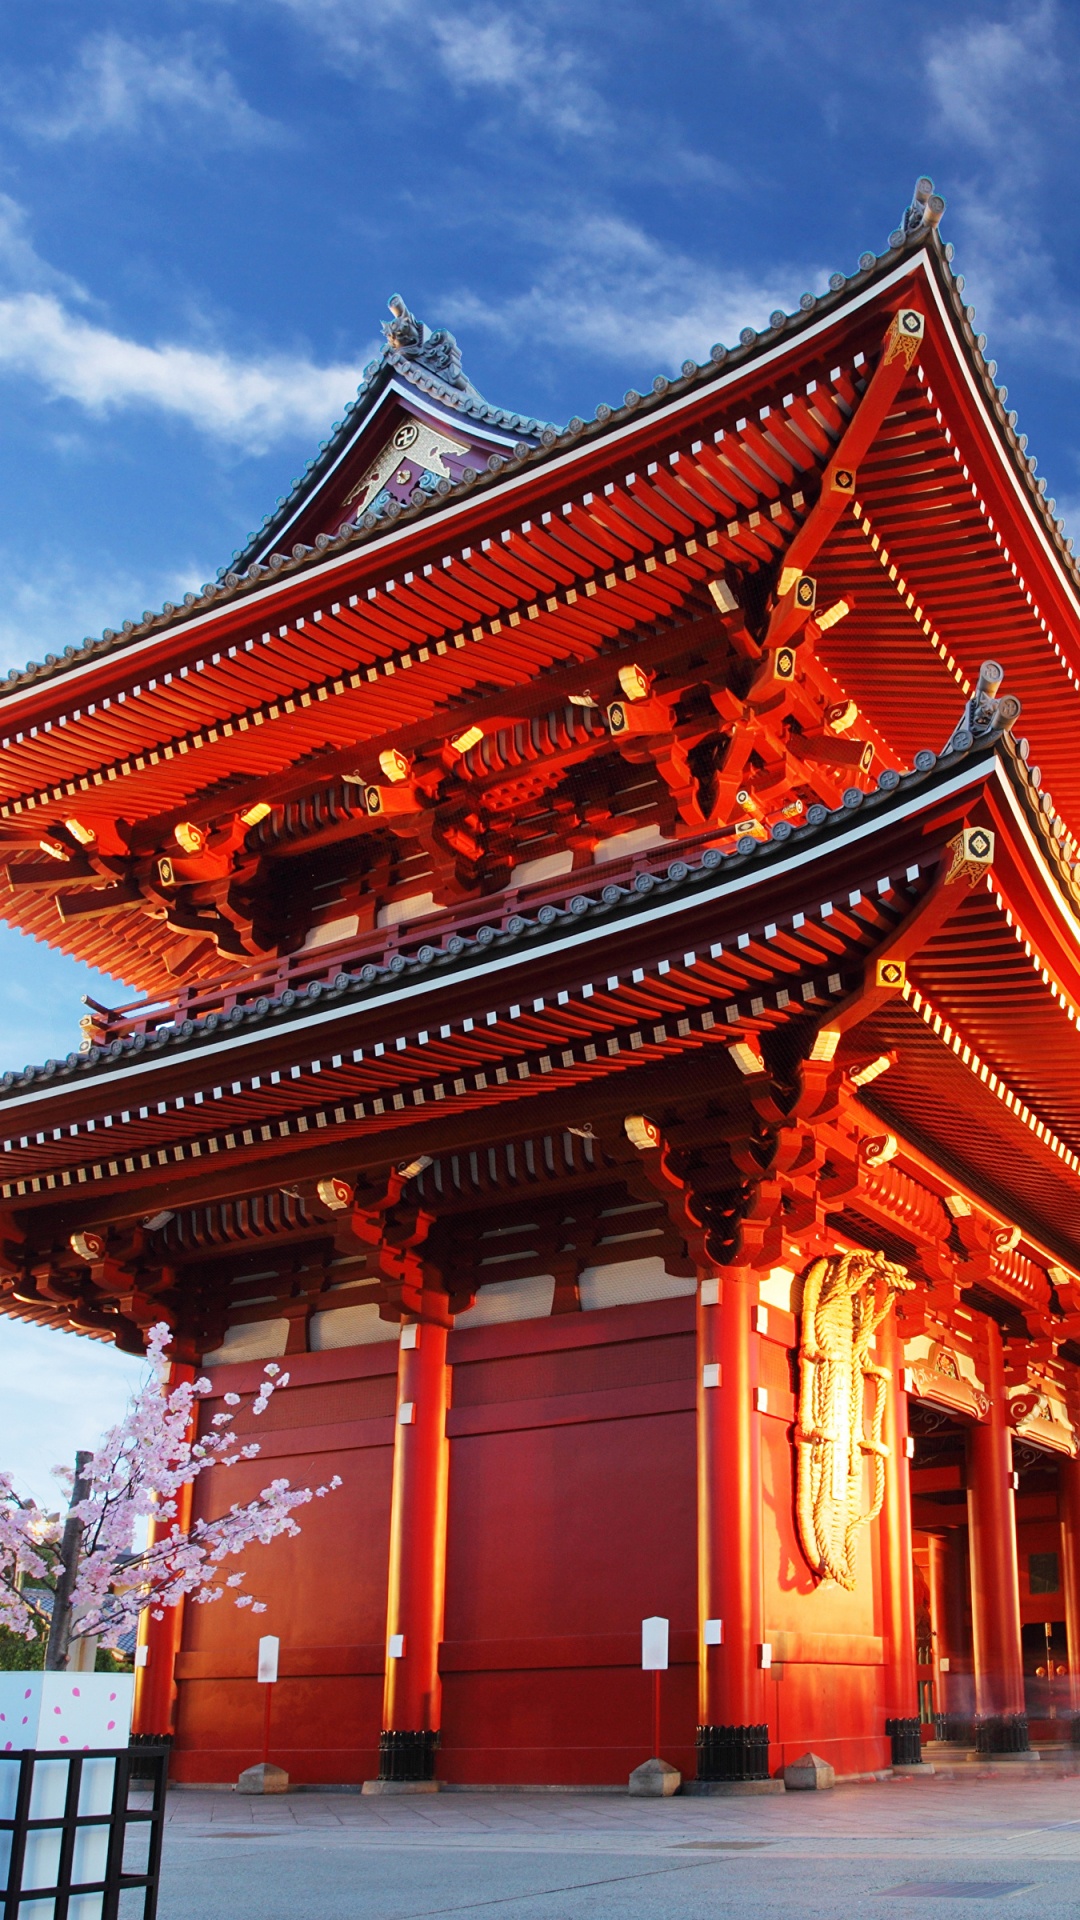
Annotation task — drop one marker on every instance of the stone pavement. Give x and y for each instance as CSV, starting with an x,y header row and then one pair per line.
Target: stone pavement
x,y
878,1850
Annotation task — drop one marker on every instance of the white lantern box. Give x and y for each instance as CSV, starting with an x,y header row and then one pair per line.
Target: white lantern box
x,y
51,1711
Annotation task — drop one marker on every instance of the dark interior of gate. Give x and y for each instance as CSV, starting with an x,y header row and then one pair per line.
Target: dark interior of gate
x,y
609,952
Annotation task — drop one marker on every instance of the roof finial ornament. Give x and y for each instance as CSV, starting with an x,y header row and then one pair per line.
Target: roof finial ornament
x,y
922,216
436,350
404,331
984,714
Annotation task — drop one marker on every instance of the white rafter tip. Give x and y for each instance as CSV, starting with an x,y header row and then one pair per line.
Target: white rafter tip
x,y
862,1076
746,1058
826,1041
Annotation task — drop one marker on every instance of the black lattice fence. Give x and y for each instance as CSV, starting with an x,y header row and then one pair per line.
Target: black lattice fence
x,y
74,1841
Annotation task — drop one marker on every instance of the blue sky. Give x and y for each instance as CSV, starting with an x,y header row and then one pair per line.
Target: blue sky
x,y
205,205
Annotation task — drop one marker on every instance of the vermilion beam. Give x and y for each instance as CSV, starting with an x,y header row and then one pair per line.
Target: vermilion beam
x,y
897,1579
898,352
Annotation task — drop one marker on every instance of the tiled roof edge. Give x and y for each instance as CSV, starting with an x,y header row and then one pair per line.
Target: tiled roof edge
x,y
461,954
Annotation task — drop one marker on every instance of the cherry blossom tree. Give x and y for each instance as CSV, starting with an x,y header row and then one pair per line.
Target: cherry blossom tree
x,y
86,1577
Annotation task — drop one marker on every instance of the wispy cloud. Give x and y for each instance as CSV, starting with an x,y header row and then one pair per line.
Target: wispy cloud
x,y
496,51
250,402
620,294
52,602
985,75
999,95
20,263
120,86
502,55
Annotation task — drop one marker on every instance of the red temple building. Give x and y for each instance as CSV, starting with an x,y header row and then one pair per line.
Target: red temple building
x,y
610,962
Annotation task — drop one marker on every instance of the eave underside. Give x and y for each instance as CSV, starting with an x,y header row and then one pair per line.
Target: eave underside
x,y
492,1092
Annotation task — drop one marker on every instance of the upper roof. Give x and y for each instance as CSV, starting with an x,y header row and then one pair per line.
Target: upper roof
x,y
423,371
504,594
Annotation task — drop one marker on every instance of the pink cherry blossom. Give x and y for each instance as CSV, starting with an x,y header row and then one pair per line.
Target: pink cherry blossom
x,y
135,1475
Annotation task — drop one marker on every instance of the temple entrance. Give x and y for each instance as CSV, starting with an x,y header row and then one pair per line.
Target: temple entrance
x,y
1046,1672
940,1474
1048,1657
942,1575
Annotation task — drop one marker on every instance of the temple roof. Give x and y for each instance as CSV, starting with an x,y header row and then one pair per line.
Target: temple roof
x,y
423,371
486,648
918,946
664,962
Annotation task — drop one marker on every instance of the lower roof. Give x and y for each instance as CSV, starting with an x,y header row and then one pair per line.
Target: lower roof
x,y
607,1002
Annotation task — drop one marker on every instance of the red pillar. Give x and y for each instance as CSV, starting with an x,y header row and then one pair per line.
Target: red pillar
x,y
412,1695
154,1711
897,1565
733,1741
1069,1513
995,1580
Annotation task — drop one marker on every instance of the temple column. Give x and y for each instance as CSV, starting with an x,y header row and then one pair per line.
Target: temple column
x,y
1001,1722
1069,1514
158,1641
897,1565
733,1734
412,1694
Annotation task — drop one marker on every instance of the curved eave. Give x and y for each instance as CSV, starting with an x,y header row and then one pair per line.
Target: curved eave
x,y
615,428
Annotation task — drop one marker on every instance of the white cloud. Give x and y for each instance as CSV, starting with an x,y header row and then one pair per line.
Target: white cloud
x,y
20,263
615,291
251,403
985,76
494,51
999,91
248,402
122,86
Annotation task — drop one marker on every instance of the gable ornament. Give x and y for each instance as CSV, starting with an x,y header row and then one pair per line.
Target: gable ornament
x,y
432,348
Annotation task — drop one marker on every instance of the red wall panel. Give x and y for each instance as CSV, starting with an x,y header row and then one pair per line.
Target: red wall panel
x,y
572,1515
325,1592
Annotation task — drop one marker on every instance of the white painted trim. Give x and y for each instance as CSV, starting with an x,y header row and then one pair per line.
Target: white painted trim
x,y
1000,449
1046,873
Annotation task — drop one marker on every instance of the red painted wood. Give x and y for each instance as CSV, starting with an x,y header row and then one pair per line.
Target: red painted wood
x,y
897,1564
412,1698
731,1683
1069,1508
995,1584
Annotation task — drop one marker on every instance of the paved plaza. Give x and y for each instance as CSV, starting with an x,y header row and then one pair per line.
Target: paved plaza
x,y
902,1847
